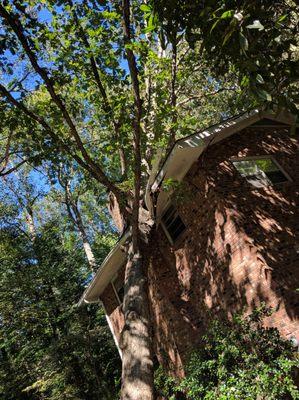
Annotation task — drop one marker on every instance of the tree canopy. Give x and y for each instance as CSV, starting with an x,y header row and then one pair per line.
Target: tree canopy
x,y
93,96
50,347
258,40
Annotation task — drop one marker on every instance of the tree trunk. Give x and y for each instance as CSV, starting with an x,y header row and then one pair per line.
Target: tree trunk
x,y
137,364
75,216
30,223
135,342
88,252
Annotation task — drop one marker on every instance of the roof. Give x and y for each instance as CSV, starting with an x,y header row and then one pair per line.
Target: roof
x,y
114,260
179,160
187,150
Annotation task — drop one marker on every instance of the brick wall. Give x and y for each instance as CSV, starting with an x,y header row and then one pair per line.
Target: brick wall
x,y
112,306
239,249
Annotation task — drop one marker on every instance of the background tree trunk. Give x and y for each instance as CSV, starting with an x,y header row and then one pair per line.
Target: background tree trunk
x,y
30,222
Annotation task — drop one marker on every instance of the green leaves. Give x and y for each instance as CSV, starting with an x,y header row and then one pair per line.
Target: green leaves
x,y
227,14
150,17
49,347
231,34
145,8
263,95
259,79
238,359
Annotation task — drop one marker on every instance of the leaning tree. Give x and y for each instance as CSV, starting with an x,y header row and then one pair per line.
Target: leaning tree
x,y
91,82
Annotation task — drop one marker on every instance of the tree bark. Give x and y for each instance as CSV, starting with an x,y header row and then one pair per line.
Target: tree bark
x,y
88,252
137,364
30,223
72,208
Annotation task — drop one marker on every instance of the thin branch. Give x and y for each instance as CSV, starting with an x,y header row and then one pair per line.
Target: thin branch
x,y
18,29
173,94
198,97
181,59
14,168
20,81
106,105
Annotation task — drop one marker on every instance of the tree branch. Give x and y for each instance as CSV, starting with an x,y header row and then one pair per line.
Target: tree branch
x,y
173,94
137,118
6,154
100,177
14,168
17,27
198,97
106,105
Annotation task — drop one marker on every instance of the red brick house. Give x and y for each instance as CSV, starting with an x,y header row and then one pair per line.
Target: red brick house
x,y
229,245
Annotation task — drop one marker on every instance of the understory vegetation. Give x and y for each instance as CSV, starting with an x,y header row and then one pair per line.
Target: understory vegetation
x,y
238,359
49,347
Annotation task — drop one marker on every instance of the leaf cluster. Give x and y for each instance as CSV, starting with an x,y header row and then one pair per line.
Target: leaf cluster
x,y
239,359
259,40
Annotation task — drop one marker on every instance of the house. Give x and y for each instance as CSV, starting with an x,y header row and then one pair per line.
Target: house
x,y
227,245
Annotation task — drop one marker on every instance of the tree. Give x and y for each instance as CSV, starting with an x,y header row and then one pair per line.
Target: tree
x,y
50,348
92,84
259,40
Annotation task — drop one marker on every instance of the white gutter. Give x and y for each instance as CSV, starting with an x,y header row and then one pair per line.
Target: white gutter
x,y
104,269
112,331
202,139
187,150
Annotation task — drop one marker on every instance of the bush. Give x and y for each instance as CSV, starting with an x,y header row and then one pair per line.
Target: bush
x,y
239,359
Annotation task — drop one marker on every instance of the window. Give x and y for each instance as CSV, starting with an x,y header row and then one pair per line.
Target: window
x,y
119,290
172,223
260,172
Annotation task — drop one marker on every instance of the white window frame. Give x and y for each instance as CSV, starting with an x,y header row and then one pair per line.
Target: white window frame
x,y
115,291
262,157
164,227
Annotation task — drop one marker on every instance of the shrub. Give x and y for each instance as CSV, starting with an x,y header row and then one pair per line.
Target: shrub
x,y
240,359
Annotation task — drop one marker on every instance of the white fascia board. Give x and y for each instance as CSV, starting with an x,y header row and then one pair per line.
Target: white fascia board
x,y
106,272
201,140
187,150
183,154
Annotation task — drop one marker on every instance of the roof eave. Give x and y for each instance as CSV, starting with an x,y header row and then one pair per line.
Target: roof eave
x,y
88,295
191,145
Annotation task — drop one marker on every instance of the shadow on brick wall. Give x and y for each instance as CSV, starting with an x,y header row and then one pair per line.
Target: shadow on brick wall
x,y
239,248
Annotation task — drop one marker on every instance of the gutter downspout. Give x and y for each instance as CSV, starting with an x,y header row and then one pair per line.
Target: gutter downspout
x,y
111,329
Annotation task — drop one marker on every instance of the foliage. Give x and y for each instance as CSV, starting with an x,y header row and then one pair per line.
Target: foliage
x,y
89,85
50,348
258,40
179,192
239,360
58,44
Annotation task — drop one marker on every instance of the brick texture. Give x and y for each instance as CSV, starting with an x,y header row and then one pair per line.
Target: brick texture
x,y
240,248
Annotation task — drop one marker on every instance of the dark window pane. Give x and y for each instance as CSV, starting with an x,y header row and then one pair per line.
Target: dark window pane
x,y
178,227
173,223
121,293
276,176
169,215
